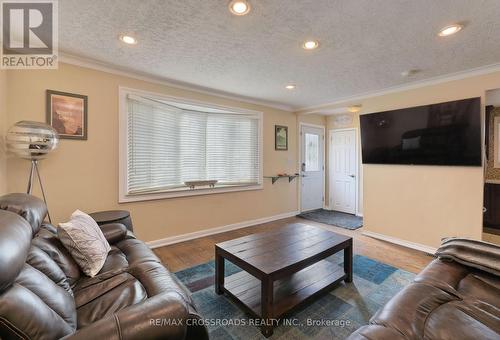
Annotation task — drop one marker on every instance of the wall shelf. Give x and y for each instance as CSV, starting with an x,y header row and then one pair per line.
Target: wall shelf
x,y
276,177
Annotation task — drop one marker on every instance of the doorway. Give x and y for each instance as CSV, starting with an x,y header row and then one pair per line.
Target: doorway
x,y
343,170
491,203
312,167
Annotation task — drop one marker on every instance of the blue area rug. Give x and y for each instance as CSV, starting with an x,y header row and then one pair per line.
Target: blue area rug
x,y
335,218
333,315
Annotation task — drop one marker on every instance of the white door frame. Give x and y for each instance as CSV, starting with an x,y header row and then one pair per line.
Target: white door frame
x,y
330,167
300,161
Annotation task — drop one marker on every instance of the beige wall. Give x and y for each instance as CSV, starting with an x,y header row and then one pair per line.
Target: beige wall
x,y
423,204
419,204
84,174
3,129
312,119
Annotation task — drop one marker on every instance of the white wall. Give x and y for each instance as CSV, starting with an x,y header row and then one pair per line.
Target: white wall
x,y
493,97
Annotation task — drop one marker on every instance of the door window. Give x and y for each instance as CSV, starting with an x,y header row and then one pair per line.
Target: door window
x,y
311,152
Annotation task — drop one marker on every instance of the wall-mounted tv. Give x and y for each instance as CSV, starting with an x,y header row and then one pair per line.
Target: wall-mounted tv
x,y
438,134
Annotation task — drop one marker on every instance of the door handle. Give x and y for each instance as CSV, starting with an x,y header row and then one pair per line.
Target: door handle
x,y
303,167
352,176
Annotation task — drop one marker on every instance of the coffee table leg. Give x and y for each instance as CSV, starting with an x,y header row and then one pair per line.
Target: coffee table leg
x,y
267,306
348,262
219,272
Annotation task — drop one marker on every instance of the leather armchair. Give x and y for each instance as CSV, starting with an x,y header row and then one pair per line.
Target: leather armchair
x,y
44,295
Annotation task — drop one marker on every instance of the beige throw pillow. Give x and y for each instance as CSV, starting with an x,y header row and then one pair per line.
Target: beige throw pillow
x,y
85,241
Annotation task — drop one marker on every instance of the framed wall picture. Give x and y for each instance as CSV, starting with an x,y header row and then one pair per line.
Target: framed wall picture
x,y
281,137
67,114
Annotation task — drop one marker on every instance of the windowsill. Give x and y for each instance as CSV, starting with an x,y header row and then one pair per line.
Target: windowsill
x,y
183,192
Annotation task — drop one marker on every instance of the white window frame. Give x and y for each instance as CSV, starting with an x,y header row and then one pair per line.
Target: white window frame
x,y
123,195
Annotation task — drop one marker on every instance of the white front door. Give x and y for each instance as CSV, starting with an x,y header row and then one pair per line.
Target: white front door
x,y
312,167
343,166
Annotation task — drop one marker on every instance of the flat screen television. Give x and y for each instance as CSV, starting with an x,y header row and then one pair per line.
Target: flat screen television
x,y
438,134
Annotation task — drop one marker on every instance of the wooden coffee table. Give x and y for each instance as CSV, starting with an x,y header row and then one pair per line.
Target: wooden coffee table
x,y
282,268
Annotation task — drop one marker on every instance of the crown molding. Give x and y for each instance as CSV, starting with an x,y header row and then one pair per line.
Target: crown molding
x,y
324,108
121,71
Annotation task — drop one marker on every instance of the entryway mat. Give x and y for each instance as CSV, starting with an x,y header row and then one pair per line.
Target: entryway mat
x,y
335,218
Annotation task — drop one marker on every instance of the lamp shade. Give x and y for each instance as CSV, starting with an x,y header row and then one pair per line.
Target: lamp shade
x,y
31,140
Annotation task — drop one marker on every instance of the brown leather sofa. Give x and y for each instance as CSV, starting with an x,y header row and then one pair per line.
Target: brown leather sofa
x,y
44,295
457,296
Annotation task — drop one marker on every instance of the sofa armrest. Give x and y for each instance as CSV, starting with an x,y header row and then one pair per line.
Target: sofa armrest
x,y
471,253
162,316
114,232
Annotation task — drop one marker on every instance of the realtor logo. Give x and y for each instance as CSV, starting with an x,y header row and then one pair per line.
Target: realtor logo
x,y
29,34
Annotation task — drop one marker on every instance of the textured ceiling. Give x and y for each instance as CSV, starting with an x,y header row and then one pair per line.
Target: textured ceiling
x,y
365,44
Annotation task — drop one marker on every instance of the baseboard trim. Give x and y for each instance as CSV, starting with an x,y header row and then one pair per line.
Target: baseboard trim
x,y
197,234
404,243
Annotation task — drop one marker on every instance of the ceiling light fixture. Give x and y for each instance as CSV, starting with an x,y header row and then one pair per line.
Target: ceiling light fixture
x,y
449,30
127,39
290,87
239,7
310,45
410,73
354,108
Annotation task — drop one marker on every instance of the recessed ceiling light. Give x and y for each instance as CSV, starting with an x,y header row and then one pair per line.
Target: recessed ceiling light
x,y
354,108
239,7
127,39
409,73
449,30
310,45
290,87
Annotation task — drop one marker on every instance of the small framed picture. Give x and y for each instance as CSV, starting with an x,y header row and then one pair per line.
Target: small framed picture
x,y
67,114
281,137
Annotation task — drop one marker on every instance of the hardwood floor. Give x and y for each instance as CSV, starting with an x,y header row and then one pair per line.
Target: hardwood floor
x,y
190,253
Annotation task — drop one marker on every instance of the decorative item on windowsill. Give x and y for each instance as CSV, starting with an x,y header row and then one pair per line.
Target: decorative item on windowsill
x,y
33,141
193,184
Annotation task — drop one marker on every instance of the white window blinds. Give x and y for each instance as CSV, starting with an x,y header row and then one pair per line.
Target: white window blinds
x,y
170,143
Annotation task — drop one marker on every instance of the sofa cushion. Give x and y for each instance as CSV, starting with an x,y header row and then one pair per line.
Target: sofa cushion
x,y
54,296
40,260
135,322
131,273
408,311
24,315
108,297
85,241
32,304
15,238
50,244
461,324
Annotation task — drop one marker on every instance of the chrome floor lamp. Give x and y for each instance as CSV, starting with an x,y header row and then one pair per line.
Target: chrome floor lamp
x,y
32,141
